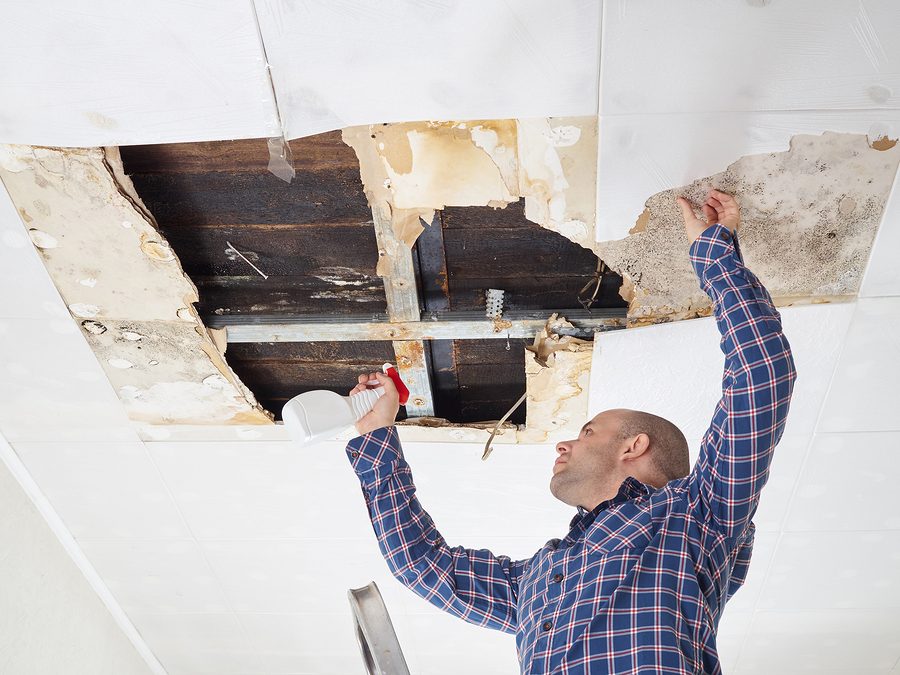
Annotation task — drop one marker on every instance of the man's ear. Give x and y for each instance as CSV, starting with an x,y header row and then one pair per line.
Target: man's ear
x,y
635,447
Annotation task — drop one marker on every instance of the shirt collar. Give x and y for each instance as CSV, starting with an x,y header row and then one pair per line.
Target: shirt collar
x,y
631,488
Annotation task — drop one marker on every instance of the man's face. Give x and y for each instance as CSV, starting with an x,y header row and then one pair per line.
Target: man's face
x,y
584,471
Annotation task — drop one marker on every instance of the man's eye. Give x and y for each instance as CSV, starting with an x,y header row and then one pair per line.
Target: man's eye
x,y
588,431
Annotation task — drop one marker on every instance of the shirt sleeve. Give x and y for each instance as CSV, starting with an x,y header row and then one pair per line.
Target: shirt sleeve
x,y
749,419
475,585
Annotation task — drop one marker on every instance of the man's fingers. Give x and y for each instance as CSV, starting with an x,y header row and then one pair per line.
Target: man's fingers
x,y
712,214
687,211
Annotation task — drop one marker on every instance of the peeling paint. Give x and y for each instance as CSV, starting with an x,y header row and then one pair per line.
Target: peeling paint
x,y
809,218
411,169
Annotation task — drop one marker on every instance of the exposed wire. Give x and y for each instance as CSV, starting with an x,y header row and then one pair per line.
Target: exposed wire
x,y
487,446
596,279
245,260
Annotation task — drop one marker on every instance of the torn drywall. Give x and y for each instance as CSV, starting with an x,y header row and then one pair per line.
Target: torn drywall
x,y
411,169
557,377
124,286
809,217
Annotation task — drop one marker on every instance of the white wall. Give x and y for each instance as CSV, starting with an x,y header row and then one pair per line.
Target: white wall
x,y
51,620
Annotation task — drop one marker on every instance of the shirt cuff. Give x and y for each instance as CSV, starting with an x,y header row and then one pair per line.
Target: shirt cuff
x,y
374,450
713,253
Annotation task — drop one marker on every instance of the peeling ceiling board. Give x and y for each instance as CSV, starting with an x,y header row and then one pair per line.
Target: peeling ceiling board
x,y
130,297
641,155
103,73
802,55
360,63
808,220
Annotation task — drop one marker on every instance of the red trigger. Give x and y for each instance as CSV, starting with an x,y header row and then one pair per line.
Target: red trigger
x,y
392,373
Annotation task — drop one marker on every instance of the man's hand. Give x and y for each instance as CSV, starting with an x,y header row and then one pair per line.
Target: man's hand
x,y
385,409
719,208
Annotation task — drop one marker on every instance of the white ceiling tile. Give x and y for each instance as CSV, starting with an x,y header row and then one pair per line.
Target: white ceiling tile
x,y
29,292
776,496
834,570
882,275
779,56
641,155
746,597
53,387
846,641
318,644
264,489
865,388
675,369
446,645
470,499
164,576
839,491
199,644
82,75
342,64
730,637
297,576
104,489
816,334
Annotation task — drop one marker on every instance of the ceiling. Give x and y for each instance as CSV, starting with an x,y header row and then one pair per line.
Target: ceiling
x,y
188,548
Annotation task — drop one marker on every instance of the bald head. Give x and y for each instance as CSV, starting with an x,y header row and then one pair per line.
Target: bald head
x,y
668,446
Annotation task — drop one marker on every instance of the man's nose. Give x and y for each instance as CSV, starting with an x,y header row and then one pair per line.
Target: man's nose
x,y
564,446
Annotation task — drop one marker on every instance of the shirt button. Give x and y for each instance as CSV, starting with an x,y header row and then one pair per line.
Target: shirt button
x,y
558,578
354,455
726,236
547,625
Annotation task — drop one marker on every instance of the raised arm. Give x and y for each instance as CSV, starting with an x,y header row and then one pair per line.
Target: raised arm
x,y
759,372
475,585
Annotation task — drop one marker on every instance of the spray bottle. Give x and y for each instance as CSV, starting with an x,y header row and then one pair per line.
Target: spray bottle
x,y
315,416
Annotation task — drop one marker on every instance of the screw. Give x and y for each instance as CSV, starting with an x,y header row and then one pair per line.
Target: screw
x,y
418,400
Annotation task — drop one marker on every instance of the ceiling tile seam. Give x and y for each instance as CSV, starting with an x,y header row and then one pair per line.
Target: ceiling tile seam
x,y
883,226
262,46
837,362
68,542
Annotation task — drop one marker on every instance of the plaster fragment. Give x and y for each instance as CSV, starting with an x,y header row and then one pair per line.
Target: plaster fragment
x,y
90,283
83,310
128,335
120,363
42,239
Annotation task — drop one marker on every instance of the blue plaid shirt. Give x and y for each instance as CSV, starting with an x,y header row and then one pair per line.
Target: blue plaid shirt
x,y
638,584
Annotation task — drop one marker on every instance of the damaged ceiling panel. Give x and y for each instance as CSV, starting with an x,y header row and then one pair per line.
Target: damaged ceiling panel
x,y
314,240
809,217
125,287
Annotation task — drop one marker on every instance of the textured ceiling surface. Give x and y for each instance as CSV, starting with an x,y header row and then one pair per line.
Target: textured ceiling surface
x,y
225,550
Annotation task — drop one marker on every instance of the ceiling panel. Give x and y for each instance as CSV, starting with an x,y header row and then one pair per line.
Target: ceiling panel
x,y
107,73
779,56
341,64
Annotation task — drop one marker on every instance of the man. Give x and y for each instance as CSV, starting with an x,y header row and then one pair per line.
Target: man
x,y
640,581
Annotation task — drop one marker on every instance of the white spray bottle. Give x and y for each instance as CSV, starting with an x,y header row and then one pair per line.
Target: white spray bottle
x,y
315,416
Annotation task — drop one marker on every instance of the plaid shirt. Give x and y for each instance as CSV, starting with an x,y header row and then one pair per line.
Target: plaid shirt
x,y
638,584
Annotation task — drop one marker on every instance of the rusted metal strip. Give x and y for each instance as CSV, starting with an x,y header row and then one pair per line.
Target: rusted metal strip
x,y
413,369
403,306
409,330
